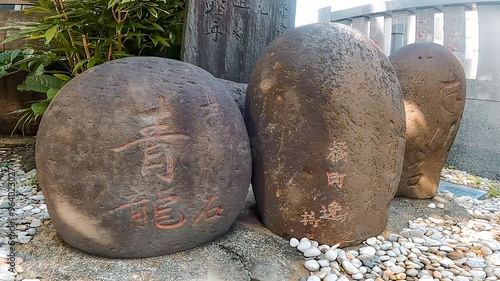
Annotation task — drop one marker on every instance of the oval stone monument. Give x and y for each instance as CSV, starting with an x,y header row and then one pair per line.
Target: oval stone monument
x,y
434,85
325,115
142,157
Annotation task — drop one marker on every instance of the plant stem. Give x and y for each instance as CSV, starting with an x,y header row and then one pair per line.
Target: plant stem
x,y
119,32
86,46
70,59
110,51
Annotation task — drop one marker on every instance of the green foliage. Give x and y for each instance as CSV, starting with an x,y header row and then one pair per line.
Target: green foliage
x,y
494,190
73,36
475,181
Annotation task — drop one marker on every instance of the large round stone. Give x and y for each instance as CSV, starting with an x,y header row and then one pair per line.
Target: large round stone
x,y
326,120
433,82
142,157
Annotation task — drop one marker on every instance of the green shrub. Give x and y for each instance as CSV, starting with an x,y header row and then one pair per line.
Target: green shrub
x,y
73,36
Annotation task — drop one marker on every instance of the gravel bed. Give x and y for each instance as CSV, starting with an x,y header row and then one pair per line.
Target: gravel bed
x,y
428,249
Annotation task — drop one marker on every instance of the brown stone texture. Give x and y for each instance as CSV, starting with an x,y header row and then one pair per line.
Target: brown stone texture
x,y
434,85
238,91
326,121
142,157
226,37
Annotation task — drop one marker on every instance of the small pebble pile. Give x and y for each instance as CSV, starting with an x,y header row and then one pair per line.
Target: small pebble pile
x,y
429,249
30,208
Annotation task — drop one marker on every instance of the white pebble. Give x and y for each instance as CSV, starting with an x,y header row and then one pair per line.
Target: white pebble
x,y
369,251
371,241
349,267
37,197
331,277
324,262
294,242
312,252
303,246
331,255
324,248
357,276
397,269
24,239
311,265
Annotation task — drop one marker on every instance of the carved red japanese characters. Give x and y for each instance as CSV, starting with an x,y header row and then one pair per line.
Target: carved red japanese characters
x,y
325,115
142,157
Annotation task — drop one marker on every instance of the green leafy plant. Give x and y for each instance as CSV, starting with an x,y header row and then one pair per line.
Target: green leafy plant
x,y
73,36
475,181
494,190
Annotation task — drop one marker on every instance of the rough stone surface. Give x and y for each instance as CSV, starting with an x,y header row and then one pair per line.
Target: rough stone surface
x,y
434,86
238,91
235,256
226,37
142,157
325,115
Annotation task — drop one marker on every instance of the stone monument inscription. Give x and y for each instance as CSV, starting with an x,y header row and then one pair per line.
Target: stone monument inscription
x,y
166,170
225,37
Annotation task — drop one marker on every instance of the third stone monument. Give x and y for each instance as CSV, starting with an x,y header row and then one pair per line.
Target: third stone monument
x,y
225,37
433,83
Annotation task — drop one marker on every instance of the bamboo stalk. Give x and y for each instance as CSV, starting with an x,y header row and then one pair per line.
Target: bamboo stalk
x,y
78,58
110,51
70,59
119,32
86,46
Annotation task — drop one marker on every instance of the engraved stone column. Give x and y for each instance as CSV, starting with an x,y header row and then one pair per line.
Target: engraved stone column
x,y
425,25
377,30
362,24
167,169
225,37
433,83
454,30
325,115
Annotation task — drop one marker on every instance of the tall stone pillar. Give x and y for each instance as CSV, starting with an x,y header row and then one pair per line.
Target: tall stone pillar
x,y
226,37
476,148
377,31
454,30
324,14
400,22
425,25
489,43
362,24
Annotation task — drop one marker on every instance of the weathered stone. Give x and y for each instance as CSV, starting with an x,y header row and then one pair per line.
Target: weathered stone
x,y
142,157
238,91
325,115
433,83
226,37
